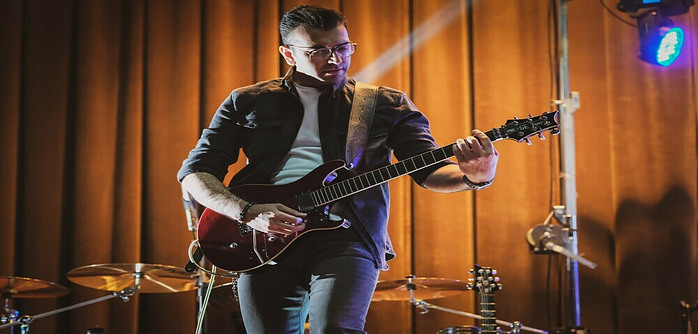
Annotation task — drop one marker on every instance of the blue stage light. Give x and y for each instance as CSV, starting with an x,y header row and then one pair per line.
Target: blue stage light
x,y
660,40
670,46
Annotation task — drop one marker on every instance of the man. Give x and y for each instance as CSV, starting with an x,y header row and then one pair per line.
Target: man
x,y
287,127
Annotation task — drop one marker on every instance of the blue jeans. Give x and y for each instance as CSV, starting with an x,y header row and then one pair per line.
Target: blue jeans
x,y
329,275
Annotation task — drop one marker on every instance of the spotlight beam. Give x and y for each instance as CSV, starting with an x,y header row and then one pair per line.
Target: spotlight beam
x,y
435,23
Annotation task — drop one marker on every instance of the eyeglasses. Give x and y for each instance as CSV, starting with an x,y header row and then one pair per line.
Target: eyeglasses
x,y
321,54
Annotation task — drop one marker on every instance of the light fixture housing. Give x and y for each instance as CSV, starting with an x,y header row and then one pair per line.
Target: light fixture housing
x,y
660,40
667,7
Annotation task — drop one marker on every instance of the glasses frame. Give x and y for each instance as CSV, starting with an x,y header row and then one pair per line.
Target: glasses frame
x,y
333,50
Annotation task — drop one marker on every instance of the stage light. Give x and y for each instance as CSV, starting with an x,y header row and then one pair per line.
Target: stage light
x,y
660,40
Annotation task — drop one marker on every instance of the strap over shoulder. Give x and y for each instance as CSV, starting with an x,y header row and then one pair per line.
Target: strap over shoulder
x,y
362,110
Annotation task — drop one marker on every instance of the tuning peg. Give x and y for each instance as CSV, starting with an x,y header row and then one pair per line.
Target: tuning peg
x,y
528,141
555,131
529,115
541,136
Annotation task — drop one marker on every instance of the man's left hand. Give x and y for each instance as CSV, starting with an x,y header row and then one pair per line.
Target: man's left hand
x,y
477,157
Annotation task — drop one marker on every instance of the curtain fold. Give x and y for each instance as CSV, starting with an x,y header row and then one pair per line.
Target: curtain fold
x,y
101,101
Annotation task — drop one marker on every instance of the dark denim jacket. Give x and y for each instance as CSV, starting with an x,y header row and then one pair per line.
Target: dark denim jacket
x,y
263,120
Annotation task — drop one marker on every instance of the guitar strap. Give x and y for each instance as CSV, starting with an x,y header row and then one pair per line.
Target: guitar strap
x,y
362,110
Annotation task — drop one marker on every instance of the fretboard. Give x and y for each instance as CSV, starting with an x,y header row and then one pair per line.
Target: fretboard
x,y
488,313
356,184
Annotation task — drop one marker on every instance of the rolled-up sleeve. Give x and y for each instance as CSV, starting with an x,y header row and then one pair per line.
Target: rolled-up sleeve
x,y
411,136
219,145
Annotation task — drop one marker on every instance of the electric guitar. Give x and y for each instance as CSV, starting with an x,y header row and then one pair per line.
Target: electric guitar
x,y
486,284
235,246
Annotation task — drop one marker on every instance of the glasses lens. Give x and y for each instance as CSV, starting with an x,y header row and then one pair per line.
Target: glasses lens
x,y
346,50
320,54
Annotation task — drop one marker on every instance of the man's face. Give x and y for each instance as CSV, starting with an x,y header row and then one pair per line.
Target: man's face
x,y
301,41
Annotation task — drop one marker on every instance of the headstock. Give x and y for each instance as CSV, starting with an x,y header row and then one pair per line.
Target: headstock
x,y
522,129
484,280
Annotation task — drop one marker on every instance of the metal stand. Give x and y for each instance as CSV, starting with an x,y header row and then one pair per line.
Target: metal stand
x,y
568,104
424,307
686,316
26,320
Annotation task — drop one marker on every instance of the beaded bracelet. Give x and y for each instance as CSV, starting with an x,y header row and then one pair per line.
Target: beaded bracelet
x,y
244,210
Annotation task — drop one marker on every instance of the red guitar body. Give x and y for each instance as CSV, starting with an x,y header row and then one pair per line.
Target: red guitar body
x,y
236,247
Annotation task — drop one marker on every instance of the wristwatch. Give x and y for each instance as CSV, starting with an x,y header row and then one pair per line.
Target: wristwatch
x,y
476,186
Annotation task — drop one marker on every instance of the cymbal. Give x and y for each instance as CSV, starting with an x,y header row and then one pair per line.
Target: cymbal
x,y
150,278
23,287
425,288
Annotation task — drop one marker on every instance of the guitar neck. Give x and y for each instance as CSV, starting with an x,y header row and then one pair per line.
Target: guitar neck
x,y
489,314
382,175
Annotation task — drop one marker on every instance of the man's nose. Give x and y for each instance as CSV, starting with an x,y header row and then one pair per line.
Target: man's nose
x,y
335,58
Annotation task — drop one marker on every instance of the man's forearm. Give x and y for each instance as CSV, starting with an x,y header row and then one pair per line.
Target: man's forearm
x,y
447,179
213,194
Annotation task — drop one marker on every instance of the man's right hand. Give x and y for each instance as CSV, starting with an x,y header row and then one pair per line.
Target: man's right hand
x,y
274,218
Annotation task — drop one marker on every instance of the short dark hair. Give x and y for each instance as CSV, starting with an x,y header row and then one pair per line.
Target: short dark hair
x,y
310,17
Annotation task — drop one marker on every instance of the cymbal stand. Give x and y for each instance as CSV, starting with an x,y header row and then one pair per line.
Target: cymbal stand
x,y
26,320
8,315
686,316
424,307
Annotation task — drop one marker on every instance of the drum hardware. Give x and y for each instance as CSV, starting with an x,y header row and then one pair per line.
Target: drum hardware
x,y
418,288
546,239
431,288
124,280
686,316
21,287
145,278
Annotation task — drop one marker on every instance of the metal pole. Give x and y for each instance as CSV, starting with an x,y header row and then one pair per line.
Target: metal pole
x,y
568,104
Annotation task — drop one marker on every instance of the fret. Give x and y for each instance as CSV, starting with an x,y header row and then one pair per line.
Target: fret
x,y
356,186
373,173
403,167
393,171
314,198
333,192
352,188
383,176
344,188
413,166
368,181
442,154
361,182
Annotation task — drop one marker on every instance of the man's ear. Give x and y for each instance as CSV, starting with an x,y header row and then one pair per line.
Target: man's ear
x,y
286,52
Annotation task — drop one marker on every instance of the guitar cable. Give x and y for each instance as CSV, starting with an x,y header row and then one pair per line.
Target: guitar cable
x,y
214,271
204,305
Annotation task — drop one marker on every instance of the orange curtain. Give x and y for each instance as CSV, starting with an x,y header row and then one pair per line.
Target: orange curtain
x,y
101,101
